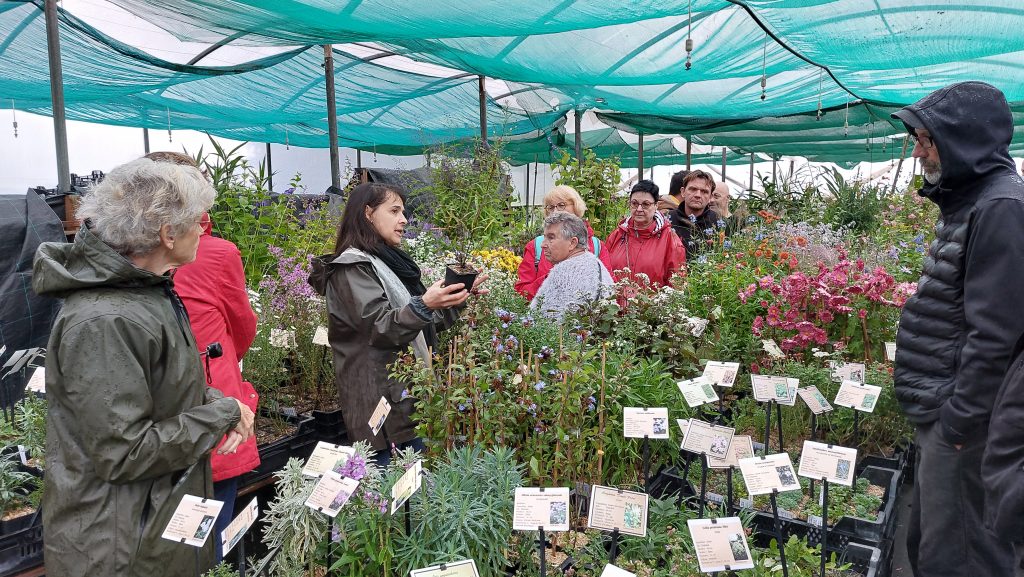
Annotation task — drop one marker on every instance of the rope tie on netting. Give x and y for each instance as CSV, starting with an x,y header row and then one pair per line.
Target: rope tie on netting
x,y
689,31
871,135
170,136
764,68
821,73
14,118
286,146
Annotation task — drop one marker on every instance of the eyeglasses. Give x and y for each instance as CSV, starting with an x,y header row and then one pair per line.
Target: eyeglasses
x,y
559,206
204,221
925,142
646,205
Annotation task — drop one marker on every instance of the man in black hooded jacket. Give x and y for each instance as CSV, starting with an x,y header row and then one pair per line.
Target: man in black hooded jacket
x,y
957,333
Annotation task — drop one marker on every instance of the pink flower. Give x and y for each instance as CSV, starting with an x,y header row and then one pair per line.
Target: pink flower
x,y
862,313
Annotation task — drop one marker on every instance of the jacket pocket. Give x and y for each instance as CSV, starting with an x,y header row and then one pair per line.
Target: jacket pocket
x,y
251,397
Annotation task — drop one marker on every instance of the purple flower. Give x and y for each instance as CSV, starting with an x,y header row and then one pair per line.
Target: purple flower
x,y
539,386
354,468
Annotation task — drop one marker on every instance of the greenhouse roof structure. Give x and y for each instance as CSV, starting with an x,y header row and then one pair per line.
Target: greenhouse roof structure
x,y
811,78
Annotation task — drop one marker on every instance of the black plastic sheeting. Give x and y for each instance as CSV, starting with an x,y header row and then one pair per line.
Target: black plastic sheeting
x,y
26,221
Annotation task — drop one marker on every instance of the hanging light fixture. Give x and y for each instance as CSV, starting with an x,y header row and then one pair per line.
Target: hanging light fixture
x,y
689,32
821,72
846,120
764,68
170,136
14,118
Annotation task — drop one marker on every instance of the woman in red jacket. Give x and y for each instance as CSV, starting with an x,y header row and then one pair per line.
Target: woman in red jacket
x,y
644,242
535,265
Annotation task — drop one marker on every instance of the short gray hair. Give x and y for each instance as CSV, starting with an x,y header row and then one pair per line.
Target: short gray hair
x,y
127,209
570,226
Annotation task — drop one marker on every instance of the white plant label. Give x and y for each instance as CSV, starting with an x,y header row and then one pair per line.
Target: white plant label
x,y
234,532
772,348
537,507
320,337
814,400
832,462
193,520
890,351
638,423
331,493
612,508
849,372
768,388
721,544
380,414
705,438
406,485
327,457
858,396
721,373
37,382
741,447
282,339
465,568
613,571
762,475
697,391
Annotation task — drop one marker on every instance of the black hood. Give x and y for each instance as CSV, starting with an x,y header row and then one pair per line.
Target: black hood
x,y
971,125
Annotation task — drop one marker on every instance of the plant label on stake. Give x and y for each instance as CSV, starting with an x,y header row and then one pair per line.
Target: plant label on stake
x,y
380,414
331,493
697,391
193,520
720,544
762,475
714,440
406,485
814,400
821,461
741,447
720,373
772,348
37,382
231,535
890,352
768,388
848,372
638,423
858,396
327,457
541,507
465,568
612,509
282,339
613,571
320,337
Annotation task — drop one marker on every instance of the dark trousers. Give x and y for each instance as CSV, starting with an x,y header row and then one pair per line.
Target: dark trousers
x,y
225,491
946,536
383,458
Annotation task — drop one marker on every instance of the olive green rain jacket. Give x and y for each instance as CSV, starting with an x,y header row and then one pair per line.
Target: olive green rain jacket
x,y
130,422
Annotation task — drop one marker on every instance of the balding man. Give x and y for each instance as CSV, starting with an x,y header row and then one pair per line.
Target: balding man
x,y
720,199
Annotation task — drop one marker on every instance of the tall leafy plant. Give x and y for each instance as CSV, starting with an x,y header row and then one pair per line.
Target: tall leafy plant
x,y
596,179
473,194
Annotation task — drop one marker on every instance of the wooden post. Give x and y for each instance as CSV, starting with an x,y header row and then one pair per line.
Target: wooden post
x,y
332,116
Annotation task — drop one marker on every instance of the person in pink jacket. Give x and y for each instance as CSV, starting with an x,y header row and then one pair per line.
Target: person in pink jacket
x,y
535,266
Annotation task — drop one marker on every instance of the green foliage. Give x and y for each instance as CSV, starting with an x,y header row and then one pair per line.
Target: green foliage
x,y
597,180
30,420
473,196
463,511
854,205
222,570
14,484
801,560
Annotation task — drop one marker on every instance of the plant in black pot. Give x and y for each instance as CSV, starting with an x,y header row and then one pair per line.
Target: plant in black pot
x,y
460,271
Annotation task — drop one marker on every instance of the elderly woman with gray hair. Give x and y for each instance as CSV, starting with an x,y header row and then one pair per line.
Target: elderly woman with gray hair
x,y
578,276
131,421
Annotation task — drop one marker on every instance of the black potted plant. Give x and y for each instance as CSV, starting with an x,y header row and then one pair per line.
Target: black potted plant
x,y
460,271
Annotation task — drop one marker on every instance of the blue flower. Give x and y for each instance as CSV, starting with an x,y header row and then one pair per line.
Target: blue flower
x,y
919,239
462,408
539,386
693,218
727,244
720,223
759,236
702,259
751,219
709,231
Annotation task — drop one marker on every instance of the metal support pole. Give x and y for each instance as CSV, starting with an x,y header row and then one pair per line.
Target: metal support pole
x,y
359,159
724,152
689,153
640,158
751,171
579,139
332,117
270,170
145,140
775,166
483,111
899,165
60,128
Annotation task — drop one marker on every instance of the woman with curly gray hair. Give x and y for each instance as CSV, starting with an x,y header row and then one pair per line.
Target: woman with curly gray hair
x,y
131,421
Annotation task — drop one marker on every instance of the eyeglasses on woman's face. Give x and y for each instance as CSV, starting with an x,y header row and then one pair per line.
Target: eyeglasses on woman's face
x,y
645,205
553,207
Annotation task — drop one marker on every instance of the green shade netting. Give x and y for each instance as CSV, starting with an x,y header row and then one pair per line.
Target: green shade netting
x,y
278,99
287,22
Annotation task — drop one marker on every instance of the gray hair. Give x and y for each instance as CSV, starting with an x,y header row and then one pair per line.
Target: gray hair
x,y
127,209
570,226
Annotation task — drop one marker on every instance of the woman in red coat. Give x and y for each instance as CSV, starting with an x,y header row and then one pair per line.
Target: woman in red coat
x,y
535,265
644,242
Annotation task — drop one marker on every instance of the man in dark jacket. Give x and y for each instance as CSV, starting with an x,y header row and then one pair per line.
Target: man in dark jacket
x,y
693,220
957,333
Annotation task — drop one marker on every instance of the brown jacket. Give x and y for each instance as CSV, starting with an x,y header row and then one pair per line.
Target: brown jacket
x,y
367,334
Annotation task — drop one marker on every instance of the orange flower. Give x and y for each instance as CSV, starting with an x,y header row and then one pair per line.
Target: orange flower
x,y
784,255
758,253
801,241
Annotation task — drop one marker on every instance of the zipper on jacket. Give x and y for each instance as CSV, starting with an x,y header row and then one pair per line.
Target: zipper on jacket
x,y
179,311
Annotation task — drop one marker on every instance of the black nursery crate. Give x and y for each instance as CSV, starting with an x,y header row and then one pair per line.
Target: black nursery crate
x,y
846,530
669,481
865,560
21,548
274,456
330,427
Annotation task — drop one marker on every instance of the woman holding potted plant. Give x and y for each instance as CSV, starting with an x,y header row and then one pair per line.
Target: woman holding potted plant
x,y
377,307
